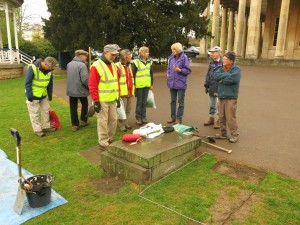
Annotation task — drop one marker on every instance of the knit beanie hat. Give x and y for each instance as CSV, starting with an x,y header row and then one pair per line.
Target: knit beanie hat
x,y
230,55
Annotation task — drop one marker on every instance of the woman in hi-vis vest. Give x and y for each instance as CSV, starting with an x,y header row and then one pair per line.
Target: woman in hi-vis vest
x,y
142,69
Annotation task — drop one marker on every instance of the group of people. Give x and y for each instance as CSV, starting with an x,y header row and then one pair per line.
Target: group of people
x,y
108,80
221,84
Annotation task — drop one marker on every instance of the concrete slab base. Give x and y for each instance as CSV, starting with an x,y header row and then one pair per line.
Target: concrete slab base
x,y
149,159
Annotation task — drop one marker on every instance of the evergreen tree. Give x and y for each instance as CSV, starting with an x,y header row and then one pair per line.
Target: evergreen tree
x,y
153,23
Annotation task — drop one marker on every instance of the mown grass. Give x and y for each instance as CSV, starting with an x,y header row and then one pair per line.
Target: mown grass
x,y
191,191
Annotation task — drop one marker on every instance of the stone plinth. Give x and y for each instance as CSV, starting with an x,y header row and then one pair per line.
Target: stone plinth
x,y
149,159
10,71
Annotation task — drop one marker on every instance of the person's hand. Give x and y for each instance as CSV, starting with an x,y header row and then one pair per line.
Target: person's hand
x,y
97,107
206,86
118,103
206,90
30,99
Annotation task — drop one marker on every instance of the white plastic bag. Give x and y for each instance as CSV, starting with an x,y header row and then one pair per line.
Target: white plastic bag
x,y
150,100
121,111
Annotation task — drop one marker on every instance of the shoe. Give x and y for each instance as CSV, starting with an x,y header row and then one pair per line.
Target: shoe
x,y
84,124
171,121
221,136
178,122
210,121
40,133
217,125
75,128
144,121
128,127
139,122
50,129
234,139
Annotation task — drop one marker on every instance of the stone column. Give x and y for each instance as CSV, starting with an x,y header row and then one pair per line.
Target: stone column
x,y
215,24
245,36
240,29
203,41
282,29
253,30
230,30
223,30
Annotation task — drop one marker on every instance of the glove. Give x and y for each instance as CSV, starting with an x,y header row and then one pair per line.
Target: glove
x,y
50,98
97,107
206,90
118,103
30,99
206,86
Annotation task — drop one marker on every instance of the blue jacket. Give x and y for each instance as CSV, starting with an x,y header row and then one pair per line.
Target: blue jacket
x,y
229,82
210,80
29,78
178,80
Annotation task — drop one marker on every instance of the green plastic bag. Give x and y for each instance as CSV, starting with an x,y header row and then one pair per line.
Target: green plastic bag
x,y
183,128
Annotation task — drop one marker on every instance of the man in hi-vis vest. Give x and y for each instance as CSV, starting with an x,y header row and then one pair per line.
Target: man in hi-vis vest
x,y
38,91
104,90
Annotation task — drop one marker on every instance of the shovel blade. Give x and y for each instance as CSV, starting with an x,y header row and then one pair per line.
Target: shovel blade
x,y
18,206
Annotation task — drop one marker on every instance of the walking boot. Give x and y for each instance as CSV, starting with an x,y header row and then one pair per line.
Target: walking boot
x,y
210,121
217,125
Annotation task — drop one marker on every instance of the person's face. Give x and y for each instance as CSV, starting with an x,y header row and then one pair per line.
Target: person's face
x,y
174,51
83,57
215,55
227,62
46,66
145,54
128,58
110,57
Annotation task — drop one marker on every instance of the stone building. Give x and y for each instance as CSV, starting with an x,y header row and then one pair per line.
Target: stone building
x,y
256,29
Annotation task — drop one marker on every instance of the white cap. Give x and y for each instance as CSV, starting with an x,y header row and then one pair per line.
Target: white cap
x,y
215,49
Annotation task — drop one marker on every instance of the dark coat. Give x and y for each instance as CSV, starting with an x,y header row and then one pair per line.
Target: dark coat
x,y
210,82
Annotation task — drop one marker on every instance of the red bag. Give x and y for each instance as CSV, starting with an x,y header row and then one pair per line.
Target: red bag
x,y
131,137
54,120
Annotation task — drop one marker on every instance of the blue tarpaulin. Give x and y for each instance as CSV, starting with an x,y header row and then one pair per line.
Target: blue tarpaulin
x,y
9,187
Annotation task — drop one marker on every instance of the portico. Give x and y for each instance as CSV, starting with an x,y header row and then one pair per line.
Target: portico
x,y
258,29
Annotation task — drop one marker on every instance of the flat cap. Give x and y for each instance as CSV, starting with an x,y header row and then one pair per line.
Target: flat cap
x,y
50,61
215,49
81,52
112,48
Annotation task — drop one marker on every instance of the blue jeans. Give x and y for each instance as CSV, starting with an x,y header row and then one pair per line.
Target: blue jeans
x,y
181,94
141,100
213,105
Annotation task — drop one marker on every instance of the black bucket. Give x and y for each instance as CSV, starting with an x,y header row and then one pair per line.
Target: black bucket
x,y
39,193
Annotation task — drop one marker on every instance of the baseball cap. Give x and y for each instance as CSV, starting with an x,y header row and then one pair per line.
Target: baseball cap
x,y
215,49
81,52
112,48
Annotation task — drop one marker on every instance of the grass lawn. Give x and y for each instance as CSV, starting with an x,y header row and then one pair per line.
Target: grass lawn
x,y
196,191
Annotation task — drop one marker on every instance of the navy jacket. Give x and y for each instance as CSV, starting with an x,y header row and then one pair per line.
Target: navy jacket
x,y
209,78
29,78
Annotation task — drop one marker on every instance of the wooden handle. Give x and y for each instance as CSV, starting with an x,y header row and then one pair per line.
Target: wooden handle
x,y
217,147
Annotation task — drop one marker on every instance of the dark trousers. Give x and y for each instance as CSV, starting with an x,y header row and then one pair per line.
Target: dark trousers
x,y
180,93
141,100
73,109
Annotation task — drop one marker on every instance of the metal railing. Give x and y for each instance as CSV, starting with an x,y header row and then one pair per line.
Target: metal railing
x,y
16,55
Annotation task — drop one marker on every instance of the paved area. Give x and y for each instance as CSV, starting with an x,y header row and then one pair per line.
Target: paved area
x,y
268,115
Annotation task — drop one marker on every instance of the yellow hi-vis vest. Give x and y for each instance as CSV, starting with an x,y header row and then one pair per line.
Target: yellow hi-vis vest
x,y
122,81
40,82
142,76
108,86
